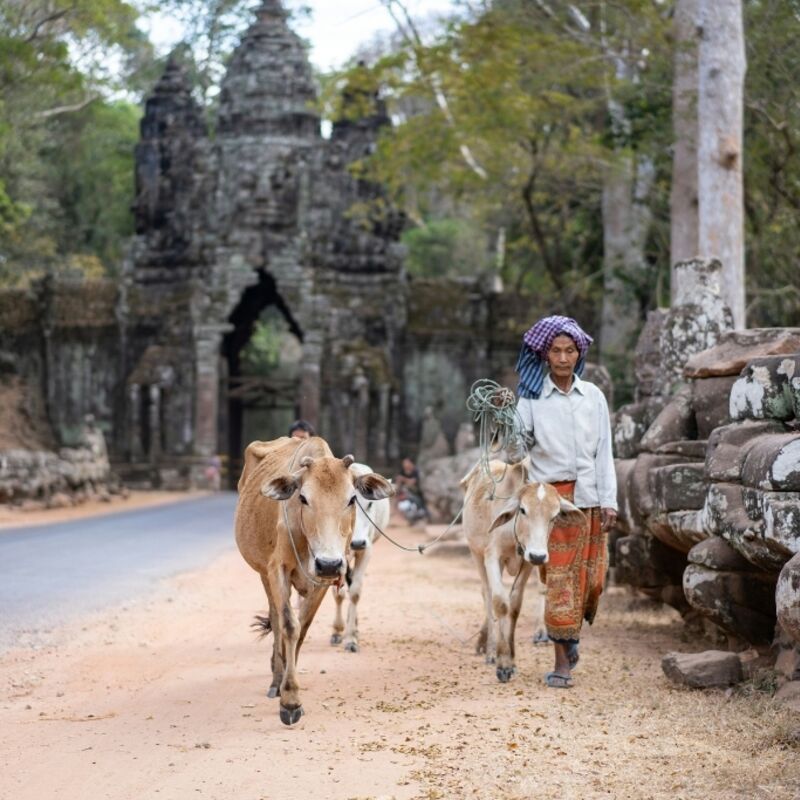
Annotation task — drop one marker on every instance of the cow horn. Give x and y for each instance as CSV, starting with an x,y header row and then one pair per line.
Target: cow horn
x,y
306,461
347,460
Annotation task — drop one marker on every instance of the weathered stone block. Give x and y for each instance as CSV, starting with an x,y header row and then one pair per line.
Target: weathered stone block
x,y
678,487
728,446
629,424
711,403
649,376
782,519
674,422
687,527
725,515
644,562
715,553
742,603
789,696
787,599
660,526
714,668
736,348
641,499
764,390
690,449
773,463
625,516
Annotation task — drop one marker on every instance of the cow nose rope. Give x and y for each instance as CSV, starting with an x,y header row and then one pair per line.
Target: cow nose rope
x,y
494,408
420,548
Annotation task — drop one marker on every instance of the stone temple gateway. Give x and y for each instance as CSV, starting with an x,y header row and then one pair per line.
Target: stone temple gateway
x,y
260,216
257,216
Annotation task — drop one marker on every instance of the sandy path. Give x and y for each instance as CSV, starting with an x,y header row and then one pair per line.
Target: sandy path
x,y
166,699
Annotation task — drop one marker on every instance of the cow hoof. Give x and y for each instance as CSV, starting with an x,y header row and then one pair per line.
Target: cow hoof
x,y
351,647
273,691
336,638
504,674
289,716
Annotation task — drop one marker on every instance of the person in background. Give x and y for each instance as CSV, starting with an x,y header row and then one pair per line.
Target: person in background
x,y
409,492
300,429
567,423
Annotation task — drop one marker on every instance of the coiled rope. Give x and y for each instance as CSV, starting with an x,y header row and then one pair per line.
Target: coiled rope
x,y
494,409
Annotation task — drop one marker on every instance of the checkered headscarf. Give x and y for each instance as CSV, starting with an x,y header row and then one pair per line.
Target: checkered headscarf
x,y
536,343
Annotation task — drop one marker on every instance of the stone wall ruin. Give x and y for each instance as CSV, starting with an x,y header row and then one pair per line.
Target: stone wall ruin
x,y
709,486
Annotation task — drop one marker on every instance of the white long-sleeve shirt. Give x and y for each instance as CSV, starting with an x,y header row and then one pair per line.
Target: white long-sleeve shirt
x,y
571,434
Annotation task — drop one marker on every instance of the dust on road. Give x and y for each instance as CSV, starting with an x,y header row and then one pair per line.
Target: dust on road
x,y
166,699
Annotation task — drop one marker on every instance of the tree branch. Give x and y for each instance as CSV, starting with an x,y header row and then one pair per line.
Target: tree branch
x,y
414,39
56,15
54,112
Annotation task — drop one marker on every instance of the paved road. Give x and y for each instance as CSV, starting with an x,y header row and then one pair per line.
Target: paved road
x,y
52,573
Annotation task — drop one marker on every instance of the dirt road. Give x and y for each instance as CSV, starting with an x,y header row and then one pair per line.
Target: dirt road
x,y
166,699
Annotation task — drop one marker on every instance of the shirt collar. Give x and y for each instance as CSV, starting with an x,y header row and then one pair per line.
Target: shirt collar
x,y
548,387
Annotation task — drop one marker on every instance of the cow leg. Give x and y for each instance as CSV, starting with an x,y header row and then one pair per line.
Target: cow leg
x,y
287,630
500,608
484,645
338,593
277,645
356,583
308,611
540,631
517,593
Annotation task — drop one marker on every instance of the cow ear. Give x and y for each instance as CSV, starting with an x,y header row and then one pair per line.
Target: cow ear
x,y
373,486
348,460
280,488
508,513
570,514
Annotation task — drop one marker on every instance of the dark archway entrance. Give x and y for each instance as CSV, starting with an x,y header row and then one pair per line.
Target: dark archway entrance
x,y
260,371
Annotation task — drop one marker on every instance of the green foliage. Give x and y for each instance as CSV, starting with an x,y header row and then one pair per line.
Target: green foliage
x,y
446,247
772,161
57,60
262,354
526,137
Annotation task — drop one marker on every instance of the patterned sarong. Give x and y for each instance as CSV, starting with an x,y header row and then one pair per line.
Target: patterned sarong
x,y
576,571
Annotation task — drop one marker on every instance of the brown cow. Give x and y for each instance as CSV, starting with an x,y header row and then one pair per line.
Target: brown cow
x,y
294,521
507,522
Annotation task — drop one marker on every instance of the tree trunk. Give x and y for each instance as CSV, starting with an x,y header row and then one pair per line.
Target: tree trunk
x,y
626,222
684,243
721,67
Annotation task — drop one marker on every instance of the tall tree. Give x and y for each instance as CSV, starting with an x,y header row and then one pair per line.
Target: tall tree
x,y
720,111
684,242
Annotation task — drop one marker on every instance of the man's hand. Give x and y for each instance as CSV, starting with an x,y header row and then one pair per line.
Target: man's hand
x,y
608,518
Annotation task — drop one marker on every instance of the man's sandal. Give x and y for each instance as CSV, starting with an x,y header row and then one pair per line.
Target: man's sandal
x,y
554,680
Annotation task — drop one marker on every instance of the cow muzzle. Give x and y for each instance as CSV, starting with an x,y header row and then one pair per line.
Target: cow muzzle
x,y
536,558
328,567
358,544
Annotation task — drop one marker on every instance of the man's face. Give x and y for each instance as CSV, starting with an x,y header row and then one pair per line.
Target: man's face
x,y
299,433
562,356
408,465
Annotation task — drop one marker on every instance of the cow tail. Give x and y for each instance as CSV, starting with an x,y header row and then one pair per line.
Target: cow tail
x,y
262,626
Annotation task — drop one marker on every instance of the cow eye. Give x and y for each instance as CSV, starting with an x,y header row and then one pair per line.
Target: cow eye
x,y
352,501
303,499
522,510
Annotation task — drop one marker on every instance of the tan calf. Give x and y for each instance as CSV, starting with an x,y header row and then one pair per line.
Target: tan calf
x,y
507,522
294,521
